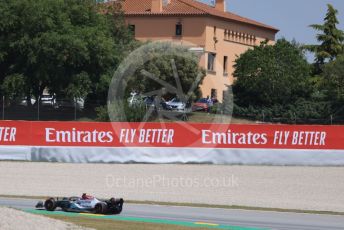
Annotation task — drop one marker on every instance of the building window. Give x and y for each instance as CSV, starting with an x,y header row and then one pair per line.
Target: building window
x,y
211,61
132,29
225,65
213,94
179,29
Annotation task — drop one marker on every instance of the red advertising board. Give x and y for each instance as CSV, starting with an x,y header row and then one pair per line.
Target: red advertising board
x,y
188,135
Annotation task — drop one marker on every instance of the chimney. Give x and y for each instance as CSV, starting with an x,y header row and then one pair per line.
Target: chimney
x,y
220,5
156,6
165,2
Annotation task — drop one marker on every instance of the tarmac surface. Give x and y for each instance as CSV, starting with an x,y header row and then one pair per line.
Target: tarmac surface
x,y
215,216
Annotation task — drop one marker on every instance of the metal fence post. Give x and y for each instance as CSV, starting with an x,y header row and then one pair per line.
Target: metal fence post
x,y
3,107
38,102
331,119
74,109
295,117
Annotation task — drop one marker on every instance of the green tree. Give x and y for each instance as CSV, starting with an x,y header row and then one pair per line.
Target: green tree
x,y
161,69
79,87
165,62
271,75
330,37
13,87
62,45
333,83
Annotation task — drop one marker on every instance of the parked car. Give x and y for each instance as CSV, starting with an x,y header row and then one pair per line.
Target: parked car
x,y
80,103
48,100
24,102
152,102
149,101
176,104
202,104
70,103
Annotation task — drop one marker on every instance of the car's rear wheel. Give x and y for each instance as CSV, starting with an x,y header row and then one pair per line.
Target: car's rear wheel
x,y
113,201
100,208
116,205
50,204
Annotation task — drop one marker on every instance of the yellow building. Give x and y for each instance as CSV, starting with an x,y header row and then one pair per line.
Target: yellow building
x,y
221,35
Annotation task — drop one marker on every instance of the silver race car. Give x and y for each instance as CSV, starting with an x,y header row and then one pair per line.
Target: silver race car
x,y
83,204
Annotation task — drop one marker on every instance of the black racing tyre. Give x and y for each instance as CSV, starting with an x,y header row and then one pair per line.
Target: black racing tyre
x,y
116,201
119,210
116,205
50,204
112,200
100,208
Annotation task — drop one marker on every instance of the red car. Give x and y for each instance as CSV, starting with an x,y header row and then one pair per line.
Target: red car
x,y
202,105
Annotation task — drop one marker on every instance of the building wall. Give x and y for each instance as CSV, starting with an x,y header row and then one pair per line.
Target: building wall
x,y
224,42
163,28
232,39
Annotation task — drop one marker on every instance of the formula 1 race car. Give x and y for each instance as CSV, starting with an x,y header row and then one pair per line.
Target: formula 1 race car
x,y
83,204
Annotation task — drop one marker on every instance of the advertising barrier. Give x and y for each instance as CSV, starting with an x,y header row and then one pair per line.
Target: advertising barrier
x,y
92,142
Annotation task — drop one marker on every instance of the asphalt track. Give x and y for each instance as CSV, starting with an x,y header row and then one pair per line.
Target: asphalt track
x,y
205,217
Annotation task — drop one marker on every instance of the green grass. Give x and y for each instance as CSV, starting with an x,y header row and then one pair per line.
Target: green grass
x,y
101,224
101,221
203,117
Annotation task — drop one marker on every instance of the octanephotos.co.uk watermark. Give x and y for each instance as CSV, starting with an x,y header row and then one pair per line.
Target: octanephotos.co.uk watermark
x,y
163,181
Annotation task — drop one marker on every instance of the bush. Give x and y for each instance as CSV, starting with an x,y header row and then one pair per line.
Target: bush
x,y
271,74
216,108
102,114
302,111
121,111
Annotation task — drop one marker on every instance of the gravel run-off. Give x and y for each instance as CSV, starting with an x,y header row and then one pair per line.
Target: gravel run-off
x,y
303,188
12,219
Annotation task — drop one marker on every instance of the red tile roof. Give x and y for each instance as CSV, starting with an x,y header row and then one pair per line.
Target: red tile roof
x,y
186,7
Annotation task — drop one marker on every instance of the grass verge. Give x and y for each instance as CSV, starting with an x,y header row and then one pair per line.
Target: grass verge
x,y
101,224
203,117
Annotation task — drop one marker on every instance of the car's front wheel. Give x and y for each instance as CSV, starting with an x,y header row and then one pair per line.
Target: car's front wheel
x,y
50,204
100,208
